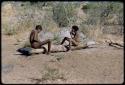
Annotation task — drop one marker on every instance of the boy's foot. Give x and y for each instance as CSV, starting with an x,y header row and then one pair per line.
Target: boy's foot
x,y
44,50
68,48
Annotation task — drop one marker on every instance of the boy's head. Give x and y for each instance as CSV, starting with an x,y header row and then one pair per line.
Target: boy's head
x,y
75,28
39,28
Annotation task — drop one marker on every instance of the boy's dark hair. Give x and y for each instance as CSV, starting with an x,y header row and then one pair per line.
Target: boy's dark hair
x,y
75,27
38,27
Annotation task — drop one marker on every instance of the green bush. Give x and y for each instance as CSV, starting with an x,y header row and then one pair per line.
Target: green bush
x,y
102,14
63,14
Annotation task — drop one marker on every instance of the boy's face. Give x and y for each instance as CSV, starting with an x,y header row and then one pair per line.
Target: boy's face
x,y
39,30
73,30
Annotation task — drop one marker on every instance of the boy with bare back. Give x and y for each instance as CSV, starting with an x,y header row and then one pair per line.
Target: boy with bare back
x,y
36,43
74,40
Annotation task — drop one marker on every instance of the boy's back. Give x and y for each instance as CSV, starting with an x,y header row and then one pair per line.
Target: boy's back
x,y
33,36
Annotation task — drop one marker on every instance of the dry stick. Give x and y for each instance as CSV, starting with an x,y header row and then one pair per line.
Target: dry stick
x,y
114,44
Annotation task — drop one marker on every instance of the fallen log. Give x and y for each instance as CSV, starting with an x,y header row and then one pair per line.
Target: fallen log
x,y
54,48
59,48
79,47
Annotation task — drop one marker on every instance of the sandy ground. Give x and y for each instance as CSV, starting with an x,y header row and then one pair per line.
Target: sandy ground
x,y
103,64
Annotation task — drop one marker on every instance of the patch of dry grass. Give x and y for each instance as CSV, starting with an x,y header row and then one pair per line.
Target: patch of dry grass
x,y
50,74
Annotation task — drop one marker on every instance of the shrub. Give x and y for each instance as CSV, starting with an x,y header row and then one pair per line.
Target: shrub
x,y
52,74
63,14
101,17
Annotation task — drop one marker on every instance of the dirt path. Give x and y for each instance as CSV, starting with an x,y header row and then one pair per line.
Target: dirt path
x,y
95,65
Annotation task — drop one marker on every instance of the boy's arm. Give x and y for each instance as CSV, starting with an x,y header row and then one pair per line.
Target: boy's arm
x,y
35,36
32,36
72,36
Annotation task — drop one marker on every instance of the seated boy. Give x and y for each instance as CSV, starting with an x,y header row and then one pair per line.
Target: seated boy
x,y
74,40
35,42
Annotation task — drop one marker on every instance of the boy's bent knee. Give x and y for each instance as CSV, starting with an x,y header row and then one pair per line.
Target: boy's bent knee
x,y
67,38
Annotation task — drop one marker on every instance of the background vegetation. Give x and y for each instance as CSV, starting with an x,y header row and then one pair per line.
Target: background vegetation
x,y
93,18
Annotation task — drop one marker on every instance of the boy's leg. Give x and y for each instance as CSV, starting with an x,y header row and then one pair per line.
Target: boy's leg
x,y
63,40
74,42
47,42
45,50
66,38
69,40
